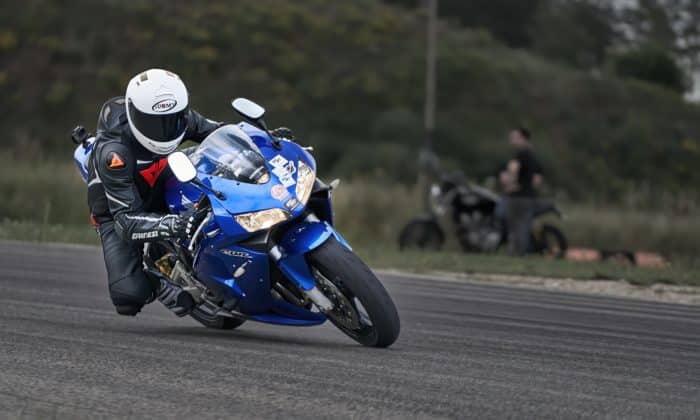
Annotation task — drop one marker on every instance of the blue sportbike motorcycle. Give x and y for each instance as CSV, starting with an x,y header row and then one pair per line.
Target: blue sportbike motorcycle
x,y
267,250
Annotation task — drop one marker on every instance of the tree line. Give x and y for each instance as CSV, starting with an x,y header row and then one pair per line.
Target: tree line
x,y
652,40
348,77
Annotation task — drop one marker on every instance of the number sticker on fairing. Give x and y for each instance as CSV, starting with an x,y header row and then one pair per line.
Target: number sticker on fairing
x,y
284,169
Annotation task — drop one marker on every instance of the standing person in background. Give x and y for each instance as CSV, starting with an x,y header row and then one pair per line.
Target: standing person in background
x,y
520,180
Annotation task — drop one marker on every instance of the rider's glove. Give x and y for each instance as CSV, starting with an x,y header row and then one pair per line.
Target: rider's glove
x,y
283,132
184,225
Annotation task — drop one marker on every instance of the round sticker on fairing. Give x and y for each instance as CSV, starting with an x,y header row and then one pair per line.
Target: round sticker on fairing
x,y
164,105
278,192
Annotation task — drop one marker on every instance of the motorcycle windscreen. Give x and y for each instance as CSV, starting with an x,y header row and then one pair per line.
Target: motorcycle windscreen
x,y
229,153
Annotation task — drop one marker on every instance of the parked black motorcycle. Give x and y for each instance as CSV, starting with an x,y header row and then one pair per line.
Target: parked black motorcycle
x,y
473,213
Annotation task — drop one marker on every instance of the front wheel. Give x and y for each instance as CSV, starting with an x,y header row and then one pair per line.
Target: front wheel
x,y
363,309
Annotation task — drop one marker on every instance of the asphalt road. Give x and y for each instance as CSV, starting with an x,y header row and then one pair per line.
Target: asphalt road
x,y
465,351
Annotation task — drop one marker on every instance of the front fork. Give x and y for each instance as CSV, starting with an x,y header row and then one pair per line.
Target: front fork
x,y
289,255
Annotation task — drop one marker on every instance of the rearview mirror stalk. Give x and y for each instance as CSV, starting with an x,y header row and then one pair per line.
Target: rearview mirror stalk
x,y
185,171
275,141
217,194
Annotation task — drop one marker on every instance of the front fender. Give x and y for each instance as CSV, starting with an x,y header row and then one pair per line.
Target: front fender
x,y
296,242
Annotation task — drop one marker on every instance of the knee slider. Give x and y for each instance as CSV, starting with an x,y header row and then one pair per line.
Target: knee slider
x,y
128,310
128,305
133,290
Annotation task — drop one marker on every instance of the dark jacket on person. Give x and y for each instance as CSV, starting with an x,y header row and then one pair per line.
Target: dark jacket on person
x,y
529,166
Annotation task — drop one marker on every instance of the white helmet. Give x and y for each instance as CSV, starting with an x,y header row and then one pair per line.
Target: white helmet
x,y
156,107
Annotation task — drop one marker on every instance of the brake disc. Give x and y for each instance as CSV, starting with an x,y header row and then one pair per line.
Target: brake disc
x,y
343,312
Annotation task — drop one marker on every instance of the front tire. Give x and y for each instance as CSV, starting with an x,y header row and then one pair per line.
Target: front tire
x,y
363,310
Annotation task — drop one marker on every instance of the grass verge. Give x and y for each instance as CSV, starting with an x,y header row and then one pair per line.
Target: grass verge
x,y
422,262
38,232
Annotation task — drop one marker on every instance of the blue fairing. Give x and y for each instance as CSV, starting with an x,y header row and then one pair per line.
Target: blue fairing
x,y
214,266
241,197
299,240
222,253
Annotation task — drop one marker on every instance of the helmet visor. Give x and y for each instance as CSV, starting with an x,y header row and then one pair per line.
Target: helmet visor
x,y
159,127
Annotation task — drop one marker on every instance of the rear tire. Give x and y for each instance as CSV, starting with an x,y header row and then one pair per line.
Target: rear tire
x,y
421,234
216,322
552,242
355,281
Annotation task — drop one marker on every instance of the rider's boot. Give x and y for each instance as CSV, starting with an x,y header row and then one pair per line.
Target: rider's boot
x,y
174,298
171,295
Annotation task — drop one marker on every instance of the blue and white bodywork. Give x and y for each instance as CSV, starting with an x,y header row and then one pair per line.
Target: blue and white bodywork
x,y
267,250
223,250
228,258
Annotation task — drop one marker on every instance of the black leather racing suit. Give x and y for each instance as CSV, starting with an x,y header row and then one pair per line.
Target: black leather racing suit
x,y
126,196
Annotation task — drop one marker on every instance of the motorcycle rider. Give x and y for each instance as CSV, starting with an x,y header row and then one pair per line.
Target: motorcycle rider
x,y
127,171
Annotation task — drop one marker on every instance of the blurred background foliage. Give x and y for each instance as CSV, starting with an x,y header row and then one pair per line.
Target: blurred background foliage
x,y
600,85
348,77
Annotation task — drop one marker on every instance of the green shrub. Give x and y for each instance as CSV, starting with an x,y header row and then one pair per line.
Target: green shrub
x,y
651,64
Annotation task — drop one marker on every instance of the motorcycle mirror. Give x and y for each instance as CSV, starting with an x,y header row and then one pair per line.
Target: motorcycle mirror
x,y
182,167
248,108
253,113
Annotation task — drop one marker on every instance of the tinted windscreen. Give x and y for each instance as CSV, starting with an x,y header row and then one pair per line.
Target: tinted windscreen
x,y
229,153
162,128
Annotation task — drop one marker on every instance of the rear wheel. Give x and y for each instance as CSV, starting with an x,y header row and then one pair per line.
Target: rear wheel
x,y
552,242
216,321
421,234
363,309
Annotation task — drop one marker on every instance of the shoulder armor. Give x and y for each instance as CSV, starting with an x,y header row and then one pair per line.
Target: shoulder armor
x,y
112,115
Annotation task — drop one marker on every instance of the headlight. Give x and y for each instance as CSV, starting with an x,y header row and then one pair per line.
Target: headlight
x,y
260,220
305,182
